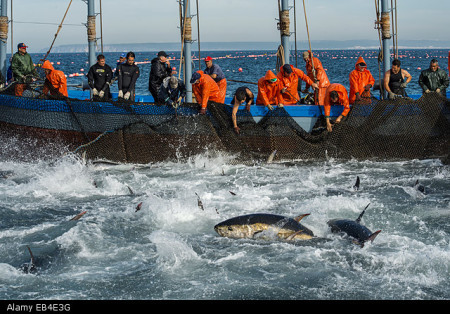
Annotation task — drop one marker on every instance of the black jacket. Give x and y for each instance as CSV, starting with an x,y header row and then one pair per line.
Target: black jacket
x,y
434,80
99,77
158,72
128,75
168,95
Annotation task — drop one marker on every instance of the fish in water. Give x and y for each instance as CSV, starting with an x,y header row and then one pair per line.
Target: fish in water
x,y
264,226
30,267
421,188
353,228
355,188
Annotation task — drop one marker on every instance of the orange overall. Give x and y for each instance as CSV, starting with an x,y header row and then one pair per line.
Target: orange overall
x,y
206,89
269,93
291,84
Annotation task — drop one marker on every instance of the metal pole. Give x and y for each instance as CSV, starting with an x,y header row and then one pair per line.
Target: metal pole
x,y
187,55
285,38
91,41
386,38
3,41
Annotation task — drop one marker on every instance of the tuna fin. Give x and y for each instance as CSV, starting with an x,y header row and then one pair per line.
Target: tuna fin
x,y
356,186
373,236
77,217
360,215
298,218
271,156
32,265
292,236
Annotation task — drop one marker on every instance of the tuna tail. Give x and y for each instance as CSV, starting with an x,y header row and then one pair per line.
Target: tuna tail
x,y
360,215
356,186
298,218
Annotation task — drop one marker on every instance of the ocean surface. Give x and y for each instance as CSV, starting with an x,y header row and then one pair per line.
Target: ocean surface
x,y
145,237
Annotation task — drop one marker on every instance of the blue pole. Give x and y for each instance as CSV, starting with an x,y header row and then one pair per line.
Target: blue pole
x,y
187,54
91,32
284,37
3,39
386,36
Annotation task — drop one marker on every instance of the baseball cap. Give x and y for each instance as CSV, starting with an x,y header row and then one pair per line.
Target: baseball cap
x,y
195,77
208,58
21,45
123,55
162,53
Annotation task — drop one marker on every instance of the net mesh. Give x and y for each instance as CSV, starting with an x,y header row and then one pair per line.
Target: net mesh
x,y
144,132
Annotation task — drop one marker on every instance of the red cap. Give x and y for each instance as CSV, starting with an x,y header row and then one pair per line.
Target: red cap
x,y
208,58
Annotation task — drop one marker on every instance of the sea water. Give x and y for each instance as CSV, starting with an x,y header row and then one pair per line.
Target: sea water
x,y
166,247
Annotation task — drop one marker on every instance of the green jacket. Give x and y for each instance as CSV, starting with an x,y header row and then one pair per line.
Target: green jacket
x,y
21,66
432,81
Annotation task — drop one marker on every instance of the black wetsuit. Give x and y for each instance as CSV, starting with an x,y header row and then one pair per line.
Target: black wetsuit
x,y
395,82
158,72
99,78
128,75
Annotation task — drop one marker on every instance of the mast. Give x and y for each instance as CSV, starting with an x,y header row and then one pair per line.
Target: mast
x,y
284,27
187,55
91,32
3,36
386,35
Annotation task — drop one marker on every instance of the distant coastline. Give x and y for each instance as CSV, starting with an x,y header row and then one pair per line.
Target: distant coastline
x,y
236,46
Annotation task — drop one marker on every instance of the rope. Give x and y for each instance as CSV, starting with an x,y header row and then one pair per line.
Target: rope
x,y
280,57
3,28
316,100
394,26
198,36
182,39
91,28
57,32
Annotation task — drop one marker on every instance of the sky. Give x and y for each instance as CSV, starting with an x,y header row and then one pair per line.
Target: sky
x,y
35,22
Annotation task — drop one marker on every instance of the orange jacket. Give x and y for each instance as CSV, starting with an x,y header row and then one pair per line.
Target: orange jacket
x,y
206,89
358,80
291,83
321,74
56,78
268,93
343,99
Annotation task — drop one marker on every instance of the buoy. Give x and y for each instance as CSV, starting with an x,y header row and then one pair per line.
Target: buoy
x,y
240,69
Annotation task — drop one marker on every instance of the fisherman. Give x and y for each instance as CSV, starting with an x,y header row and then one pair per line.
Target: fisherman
x,y
434,79
128,75
9,73
55,81
241,95
396,80
205,89
122,60
160,69
361,81
336,94
22,66
172,91
217,75
269,91
288,77
317,74
99,78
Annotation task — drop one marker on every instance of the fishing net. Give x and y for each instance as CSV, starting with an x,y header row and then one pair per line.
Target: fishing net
x,y
144,132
